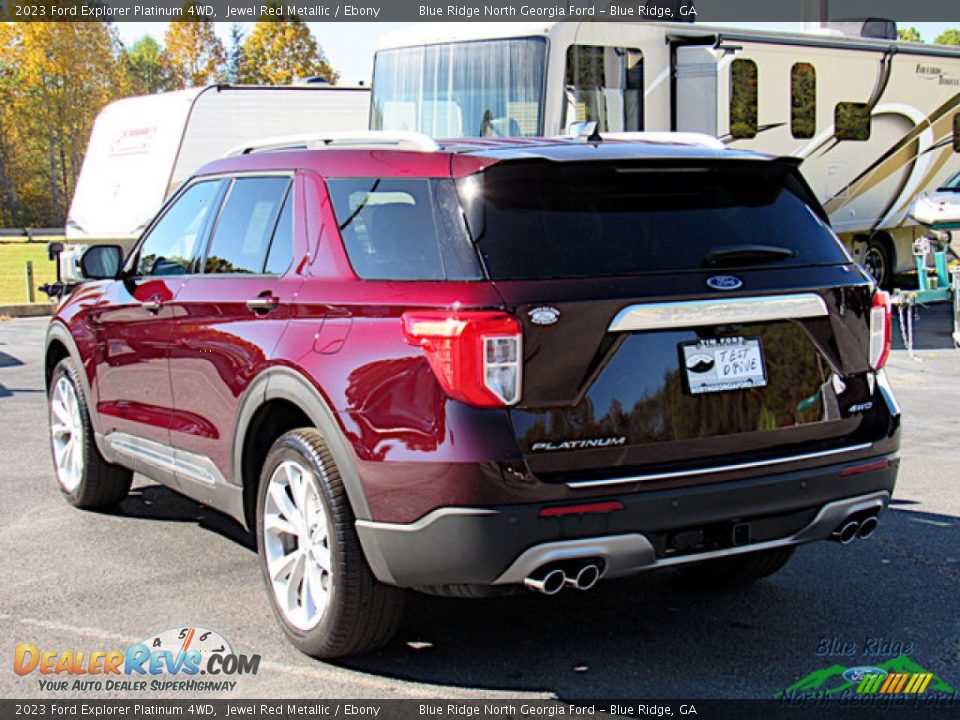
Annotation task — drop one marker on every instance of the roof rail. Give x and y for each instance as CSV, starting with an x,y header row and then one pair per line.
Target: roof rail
x,y
340,140
680,138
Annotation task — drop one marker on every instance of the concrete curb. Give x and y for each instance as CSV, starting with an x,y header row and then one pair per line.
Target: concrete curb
x,y
27,310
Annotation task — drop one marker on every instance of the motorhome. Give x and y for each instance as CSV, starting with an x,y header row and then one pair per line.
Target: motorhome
x,y
142,148
875,120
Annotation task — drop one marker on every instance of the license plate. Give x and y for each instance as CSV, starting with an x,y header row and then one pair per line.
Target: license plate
x,y
731,363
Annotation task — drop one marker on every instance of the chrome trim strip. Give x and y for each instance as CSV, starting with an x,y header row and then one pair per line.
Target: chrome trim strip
x,y
717,468
718,311
629,554
164,457
426,520
887,392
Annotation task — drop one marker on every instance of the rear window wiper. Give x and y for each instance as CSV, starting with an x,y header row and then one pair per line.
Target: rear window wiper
x,y
748,253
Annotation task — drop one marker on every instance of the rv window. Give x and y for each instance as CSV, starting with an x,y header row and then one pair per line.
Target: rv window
x,y
169,248
956,133
245,225
803,100
852,121
743,98
604,85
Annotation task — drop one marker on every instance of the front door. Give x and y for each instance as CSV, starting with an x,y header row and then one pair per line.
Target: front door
x,y
133,325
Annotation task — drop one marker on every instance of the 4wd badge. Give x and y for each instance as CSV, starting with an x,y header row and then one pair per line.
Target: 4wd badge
x,y
544,315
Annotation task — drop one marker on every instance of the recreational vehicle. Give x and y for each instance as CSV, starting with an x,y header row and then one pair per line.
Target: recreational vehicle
x,y
874,120
143,148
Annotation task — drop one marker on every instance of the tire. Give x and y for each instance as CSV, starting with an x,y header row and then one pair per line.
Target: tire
x,y
738,570
336,607
878,261
85,478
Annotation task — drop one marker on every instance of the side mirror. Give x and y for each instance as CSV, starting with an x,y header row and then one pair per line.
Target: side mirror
x,y
101,262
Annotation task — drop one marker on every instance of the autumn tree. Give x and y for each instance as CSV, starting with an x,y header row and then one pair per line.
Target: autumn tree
x,y
948,37
281,52
235,55
56,78
910,34
146,68
195,54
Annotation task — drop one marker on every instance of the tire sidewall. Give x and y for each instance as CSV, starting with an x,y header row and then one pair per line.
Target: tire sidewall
x,y
289,447
64,370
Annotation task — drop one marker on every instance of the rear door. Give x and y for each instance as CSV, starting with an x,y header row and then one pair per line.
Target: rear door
x,y
228,318
677,316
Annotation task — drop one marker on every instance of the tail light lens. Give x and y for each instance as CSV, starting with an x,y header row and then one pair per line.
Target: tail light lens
x,y
880,326
476,356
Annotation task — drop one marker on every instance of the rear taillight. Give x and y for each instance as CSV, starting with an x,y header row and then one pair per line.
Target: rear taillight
x,y
476,356
880,326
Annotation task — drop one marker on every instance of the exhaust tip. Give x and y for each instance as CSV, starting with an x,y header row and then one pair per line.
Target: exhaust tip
x,y
868,527
847,533
549,584
587,577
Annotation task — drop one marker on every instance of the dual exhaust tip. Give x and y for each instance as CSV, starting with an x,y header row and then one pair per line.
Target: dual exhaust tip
x,y
851,529
550,581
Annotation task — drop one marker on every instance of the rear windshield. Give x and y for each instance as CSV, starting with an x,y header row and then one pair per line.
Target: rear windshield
x,y
541,221
538,220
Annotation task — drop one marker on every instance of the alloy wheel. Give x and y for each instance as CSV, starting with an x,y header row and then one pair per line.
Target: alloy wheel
x,y
296,543
66,429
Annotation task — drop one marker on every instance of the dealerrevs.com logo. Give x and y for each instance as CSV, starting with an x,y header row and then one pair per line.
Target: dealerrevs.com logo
x,y
172,660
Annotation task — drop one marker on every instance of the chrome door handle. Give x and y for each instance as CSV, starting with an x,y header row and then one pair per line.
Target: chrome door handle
x,y
263,304
153,305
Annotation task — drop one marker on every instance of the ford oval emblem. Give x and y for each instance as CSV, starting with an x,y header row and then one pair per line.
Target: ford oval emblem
x,y
544,315
724,282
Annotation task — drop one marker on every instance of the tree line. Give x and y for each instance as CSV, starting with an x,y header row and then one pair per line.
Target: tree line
x,y
56,77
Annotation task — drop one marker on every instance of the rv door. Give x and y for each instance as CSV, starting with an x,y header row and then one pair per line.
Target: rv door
x,y
696,89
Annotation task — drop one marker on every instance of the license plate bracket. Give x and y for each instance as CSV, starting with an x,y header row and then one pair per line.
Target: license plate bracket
x,y
723,364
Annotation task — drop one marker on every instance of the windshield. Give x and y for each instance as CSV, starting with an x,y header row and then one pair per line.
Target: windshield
x,y
491,88
537,220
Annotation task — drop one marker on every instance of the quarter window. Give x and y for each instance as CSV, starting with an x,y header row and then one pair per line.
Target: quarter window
x,y
246,224
956,133
743,99
604,85
803,100
852,121
170,247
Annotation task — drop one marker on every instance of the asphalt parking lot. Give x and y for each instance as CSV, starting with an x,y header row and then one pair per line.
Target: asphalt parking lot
x,y
76,580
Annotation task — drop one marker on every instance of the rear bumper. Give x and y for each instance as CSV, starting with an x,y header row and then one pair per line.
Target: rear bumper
x,y
501,545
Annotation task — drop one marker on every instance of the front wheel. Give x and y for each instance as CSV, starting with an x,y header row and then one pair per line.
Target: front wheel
x,y
86,479
321,588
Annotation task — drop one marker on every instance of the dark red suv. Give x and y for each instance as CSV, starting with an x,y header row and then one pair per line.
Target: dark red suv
x,y
468,368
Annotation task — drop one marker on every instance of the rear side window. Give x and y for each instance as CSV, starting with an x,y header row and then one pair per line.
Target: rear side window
x,y
538,220
242,235
281,247
403,229
171,244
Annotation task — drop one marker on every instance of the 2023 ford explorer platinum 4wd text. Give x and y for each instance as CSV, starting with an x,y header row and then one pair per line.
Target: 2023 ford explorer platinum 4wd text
x,y
464,369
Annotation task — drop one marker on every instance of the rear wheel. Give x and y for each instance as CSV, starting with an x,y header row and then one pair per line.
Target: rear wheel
x,y
86,479
738,569
320,585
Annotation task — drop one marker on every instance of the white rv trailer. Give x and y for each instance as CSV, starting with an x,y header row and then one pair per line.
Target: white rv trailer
x,y
142,148
875,120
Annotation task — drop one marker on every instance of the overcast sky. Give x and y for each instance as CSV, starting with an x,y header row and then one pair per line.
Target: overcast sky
x,y
349,46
